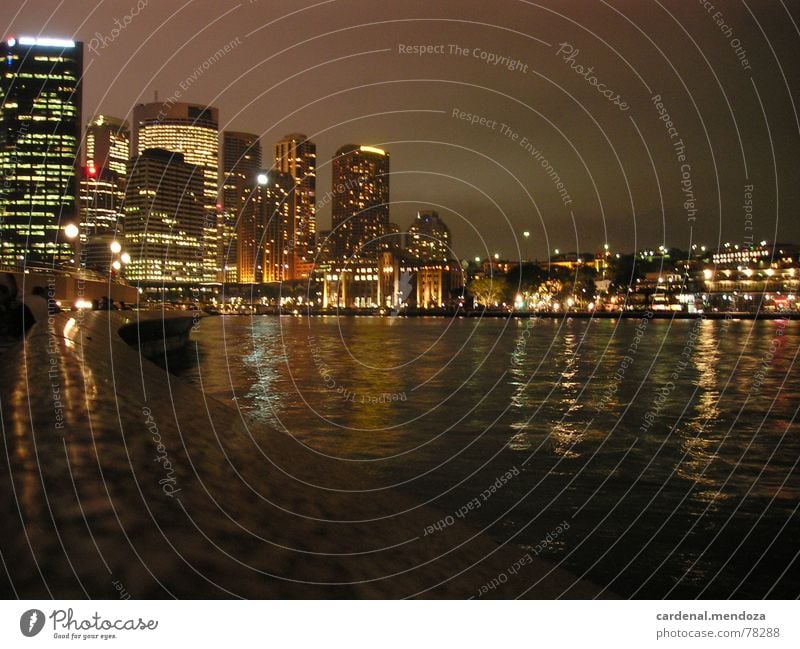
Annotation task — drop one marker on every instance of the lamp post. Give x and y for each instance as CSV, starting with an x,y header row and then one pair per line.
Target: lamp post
x,y
124,257
72,232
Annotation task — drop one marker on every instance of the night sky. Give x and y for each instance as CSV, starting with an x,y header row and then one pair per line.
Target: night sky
x,y
334,70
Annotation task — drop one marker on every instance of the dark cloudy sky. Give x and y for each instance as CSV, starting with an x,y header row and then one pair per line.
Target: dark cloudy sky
x,y
333,70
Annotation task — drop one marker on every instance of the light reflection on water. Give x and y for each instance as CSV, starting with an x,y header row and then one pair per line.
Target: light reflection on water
x,y
682,502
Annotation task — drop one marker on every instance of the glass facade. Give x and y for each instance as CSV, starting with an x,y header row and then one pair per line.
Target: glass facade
x,y
191,130
40,130
164,217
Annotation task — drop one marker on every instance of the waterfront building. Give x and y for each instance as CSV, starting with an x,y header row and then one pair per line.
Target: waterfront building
x,y
390,280
296,156
360,208
100,203
164,218
428,238
277,216
241,165
762,253
102,180
108,144
40,132
437,283
193,131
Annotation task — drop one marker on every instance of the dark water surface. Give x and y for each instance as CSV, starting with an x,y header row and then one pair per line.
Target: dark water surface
x,y
670,449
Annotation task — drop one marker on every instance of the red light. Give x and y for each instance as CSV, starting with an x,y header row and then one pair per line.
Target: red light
x,y
91,171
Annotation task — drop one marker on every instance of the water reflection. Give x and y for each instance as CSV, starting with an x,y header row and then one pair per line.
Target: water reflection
x,y
566,397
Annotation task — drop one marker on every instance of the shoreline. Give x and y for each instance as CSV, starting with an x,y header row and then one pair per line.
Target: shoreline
x,y
579,315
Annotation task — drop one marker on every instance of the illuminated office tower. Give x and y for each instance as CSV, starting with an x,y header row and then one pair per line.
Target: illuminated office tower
x,y
241,164
191,130
164,217
428,238
360,210
100,203
40,132
276,215
296,155
102,180
108,144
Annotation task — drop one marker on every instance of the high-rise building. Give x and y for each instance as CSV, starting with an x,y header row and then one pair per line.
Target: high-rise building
x,y
108,144
102,180
40,132
360,208
296,156
276,215
193,131
100,203
164,217
428,238
241,164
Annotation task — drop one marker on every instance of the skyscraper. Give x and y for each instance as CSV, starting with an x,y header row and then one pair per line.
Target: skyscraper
x,y
102,181
193,131
360,209
164,217
296,156
100,203
108,144
428,237
40,132
276,214
241,164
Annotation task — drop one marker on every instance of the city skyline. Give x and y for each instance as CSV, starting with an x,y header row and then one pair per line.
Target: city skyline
x,y
340,299
620,176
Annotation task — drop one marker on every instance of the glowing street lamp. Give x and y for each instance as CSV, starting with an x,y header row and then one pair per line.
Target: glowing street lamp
x,y
72,232
116,247
125,258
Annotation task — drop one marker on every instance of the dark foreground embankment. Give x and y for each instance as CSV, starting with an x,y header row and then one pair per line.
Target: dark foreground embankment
x,y
119,475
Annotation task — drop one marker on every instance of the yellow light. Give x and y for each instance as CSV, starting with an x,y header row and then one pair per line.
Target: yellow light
x,y
372,149
71,231
115,247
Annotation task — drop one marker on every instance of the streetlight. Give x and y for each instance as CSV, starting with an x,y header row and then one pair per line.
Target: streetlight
x,y
125,257
116,247
72,232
